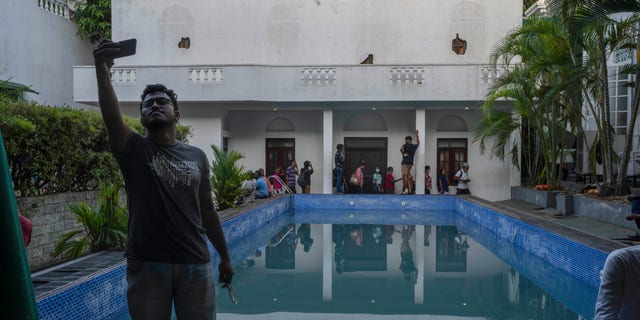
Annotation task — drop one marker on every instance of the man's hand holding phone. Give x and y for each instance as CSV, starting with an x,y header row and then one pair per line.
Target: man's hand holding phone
x,y
108,50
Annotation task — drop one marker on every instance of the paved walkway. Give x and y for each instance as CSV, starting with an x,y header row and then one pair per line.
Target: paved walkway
x,y
602,233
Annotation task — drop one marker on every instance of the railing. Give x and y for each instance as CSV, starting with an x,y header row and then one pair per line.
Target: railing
x,y
292,228
54,6
123,76
413,75
205,75
491,75
318,76
303,83
284,185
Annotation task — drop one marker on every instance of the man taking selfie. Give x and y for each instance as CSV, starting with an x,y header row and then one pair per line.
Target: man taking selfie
x,y
170,205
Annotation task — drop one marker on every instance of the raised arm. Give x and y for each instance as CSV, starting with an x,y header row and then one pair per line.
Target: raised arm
x,y
417,137
116,128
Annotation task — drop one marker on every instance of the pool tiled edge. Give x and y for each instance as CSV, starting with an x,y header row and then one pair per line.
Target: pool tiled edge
x,y
104,293
579,260
573,257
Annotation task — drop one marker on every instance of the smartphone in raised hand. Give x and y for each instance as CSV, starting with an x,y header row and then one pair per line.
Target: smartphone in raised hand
x,y
127,48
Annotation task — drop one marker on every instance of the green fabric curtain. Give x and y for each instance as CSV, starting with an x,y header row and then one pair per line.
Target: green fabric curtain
x,y
18,300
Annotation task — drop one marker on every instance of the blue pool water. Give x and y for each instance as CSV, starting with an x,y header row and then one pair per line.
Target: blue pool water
x,y
445,268
350,260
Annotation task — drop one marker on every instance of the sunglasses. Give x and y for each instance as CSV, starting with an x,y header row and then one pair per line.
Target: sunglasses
x,y
231,293
159,101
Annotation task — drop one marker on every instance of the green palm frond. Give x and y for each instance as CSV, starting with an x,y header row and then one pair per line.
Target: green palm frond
x,y
227,177
104,226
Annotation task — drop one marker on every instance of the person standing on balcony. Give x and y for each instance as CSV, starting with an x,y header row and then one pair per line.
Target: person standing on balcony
x,y
171,211
408,151
339,163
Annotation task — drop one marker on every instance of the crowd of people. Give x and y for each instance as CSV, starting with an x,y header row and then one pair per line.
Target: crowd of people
x,y
378,182
358,180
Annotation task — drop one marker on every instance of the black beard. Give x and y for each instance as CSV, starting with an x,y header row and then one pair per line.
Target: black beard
x,y
158,124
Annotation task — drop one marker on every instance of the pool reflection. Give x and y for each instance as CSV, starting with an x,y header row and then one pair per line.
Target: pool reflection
x,y
371,268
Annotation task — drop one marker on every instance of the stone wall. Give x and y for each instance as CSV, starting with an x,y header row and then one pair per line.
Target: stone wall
x,y
51,217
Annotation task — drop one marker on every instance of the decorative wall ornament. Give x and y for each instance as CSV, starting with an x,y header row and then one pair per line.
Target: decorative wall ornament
x,y
184,43
458,45
368,60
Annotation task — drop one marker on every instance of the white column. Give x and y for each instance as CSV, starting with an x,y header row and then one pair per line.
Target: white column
x,y
418,289
216,135
327,262
327,150
419,159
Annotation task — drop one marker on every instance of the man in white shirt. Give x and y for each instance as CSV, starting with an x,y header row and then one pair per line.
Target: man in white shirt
x,y
462,177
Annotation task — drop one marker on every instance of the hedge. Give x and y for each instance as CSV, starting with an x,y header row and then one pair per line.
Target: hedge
x,y
59,149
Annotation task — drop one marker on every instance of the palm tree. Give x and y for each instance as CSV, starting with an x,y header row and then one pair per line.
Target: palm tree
x,y
600,37
543,86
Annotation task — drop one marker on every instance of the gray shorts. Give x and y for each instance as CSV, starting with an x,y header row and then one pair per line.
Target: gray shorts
x,y
153,286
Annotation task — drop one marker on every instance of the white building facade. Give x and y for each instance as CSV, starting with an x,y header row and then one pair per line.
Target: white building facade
x,y
282,79
39,46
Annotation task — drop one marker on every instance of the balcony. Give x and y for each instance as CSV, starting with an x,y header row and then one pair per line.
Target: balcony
x,y
435,84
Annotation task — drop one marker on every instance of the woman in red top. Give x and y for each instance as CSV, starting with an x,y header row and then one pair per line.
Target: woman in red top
x,y
390,181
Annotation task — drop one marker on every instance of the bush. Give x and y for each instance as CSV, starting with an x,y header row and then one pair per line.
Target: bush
x,y
227,177
104,226
59,149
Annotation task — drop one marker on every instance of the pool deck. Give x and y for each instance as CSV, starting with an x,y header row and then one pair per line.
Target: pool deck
x,y
595,234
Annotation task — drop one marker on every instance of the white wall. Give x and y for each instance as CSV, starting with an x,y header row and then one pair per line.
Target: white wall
x,y
312,32
38,49
247,133
490,177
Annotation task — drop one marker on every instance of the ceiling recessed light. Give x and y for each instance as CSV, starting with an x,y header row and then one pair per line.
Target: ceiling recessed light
x,y
275,109
466,108
374,109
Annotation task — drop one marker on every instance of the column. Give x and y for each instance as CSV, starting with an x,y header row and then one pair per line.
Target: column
x,y
327,262
419,159
327,150
418,289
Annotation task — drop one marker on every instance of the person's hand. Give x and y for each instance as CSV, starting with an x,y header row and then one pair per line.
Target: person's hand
x,y
105,52
225,270
417,132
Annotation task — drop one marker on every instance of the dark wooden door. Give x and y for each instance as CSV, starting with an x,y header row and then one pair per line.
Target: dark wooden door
x,y
279,153
452,153
372,150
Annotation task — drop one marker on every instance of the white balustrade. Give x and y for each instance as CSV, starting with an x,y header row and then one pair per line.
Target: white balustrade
x,y
491,75
56,7
318,76
205,75
123,76
408,75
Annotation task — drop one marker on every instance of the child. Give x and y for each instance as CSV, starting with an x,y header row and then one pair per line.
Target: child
x,y
389,182
277,186
377,181
443,184
427,180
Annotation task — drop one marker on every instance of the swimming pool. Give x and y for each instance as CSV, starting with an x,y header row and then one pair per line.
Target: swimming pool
x,y
540,273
